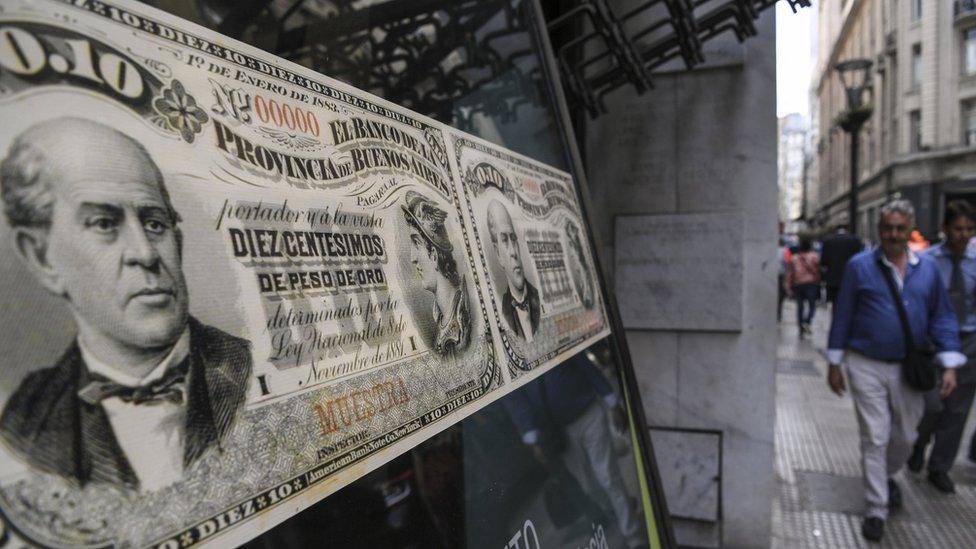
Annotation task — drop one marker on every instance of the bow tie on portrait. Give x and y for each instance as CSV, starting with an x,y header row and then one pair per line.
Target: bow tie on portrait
x,y
169,388
521,305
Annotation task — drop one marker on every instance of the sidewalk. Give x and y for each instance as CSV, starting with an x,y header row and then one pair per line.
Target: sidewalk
x,y
820,497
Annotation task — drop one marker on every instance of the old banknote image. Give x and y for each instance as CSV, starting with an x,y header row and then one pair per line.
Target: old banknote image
x,y
537,262
233,286
432,254
145,389
579,266
521,308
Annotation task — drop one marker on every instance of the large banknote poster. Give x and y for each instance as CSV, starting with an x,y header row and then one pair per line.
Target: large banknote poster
x,y
234,285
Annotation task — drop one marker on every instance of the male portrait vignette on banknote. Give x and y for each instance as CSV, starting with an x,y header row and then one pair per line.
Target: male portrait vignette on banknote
x,y
234,285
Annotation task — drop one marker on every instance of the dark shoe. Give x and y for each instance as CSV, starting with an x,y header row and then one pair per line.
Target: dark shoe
x,y
894,495
916,460
872,529
942,482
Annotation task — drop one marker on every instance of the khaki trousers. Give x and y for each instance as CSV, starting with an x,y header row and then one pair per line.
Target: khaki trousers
x,y
888,412
589,457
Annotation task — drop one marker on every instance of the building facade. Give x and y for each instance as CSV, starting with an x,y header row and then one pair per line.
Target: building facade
x,y
792,164
920,141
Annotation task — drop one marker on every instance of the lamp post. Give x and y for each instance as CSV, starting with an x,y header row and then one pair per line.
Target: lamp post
x,y
854,74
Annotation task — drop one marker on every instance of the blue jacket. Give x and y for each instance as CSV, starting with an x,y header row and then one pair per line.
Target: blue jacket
x,y
865,318
943,260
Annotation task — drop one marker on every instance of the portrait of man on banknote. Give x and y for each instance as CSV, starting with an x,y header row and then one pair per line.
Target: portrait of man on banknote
x,y
432,256
520,303
145,389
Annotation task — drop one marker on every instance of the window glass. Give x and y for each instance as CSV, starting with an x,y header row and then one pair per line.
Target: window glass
x,y
916,66
969,53
915,131
469,64
969,123
552,462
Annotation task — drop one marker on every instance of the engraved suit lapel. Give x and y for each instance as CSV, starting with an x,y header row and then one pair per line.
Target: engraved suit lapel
x,y
535,306
200,431
97,454
217,384
508,309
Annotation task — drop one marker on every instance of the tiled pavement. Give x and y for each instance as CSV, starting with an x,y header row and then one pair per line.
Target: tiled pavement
x,y
818,464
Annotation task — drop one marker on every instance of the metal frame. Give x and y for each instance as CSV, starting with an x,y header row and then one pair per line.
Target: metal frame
x,y
677,29
618,345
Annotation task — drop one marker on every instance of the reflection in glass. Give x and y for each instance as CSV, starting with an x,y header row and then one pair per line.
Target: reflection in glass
x,y
551,462
549,465
472,64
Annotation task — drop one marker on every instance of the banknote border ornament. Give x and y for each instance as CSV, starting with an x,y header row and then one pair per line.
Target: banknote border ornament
x,y
179,112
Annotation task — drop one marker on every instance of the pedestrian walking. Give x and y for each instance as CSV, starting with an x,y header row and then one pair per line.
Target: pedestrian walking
x,y
836,251
917,242
945,419
784,265
890,302
803,283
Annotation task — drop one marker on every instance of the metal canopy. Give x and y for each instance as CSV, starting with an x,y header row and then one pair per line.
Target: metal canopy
x,y
645,38
439,59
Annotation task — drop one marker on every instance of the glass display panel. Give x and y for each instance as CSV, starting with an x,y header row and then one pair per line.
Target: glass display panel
x,y
551,464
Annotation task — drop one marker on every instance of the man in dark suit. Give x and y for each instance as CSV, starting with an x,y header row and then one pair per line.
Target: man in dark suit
x,y
520,303
145,389
837,249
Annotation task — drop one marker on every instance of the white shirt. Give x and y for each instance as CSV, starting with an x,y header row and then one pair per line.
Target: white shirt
x,y
150,434
948,359
526,319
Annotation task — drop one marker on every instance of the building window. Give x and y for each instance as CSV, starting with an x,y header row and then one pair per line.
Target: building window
x,y
915,131
969,55
916,10
916,66
969,123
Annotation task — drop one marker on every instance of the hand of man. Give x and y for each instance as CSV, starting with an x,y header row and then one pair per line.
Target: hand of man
x,y
948,382
835,379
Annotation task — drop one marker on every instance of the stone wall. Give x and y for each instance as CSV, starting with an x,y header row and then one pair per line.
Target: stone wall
x,y
700,150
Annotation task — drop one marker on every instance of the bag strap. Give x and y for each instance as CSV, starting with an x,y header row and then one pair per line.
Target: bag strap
x,y
899,305
800,258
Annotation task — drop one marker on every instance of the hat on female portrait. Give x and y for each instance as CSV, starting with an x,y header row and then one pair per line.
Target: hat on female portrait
x,y
428,220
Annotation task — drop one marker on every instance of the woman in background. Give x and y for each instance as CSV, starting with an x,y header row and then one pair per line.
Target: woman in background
x,y
803,283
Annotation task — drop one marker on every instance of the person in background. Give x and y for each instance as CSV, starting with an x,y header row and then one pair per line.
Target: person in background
x,y
917,242
784,265
866,336
563,418
945,419
803,283
837,250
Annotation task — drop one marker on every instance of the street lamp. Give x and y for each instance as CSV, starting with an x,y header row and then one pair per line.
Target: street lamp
x,y
854,74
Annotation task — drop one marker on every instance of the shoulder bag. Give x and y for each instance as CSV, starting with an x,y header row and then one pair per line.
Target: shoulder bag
x,y
917,367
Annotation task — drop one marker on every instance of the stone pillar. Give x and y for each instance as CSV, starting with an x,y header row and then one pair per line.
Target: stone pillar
x,y
693,162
